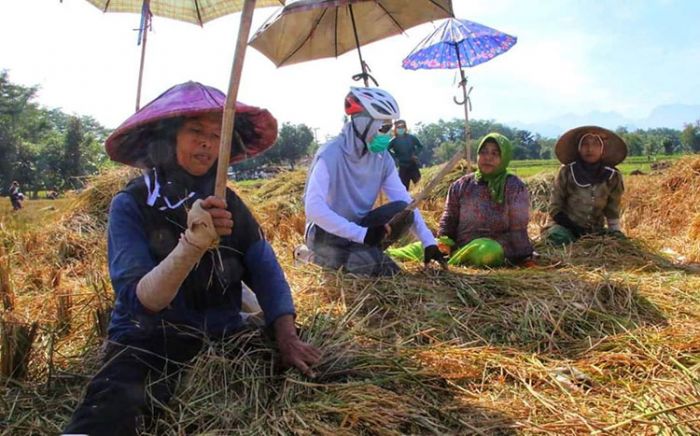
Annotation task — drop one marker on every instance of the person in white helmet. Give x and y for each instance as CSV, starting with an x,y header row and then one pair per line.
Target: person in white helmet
x,y
345,179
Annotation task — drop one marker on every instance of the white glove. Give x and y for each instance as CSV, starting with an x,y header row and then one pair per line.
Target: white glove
x,y
159,286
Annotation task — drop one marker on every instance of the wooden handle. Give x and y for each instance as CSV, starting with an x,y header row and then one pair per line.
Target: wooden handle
x,y
449,165
227,123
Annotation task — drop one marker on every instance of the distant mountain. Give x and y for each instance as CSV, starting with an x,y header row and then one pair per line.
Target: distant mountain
x,y
673,116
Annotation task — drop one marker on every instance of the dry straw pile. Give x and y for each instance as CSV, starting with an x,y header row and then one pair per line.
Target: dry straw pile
x,y
600,337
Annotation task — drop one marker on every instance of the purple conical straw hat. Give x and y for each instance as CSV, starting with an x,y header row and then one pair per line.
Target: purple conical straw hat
x,y
256,128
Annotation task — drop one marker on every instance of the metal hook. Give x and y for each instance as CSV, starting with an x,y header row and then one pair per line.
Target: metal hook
x,y
365,76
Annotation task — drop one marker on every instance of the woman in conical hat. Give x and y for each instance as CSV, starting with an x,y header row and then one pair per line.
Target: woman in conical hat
x,y
173,291
588,189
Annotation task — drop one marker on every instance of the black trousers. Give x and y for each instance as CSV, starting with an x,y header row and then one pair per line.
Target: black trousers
x,y
137,375
409,173
334,252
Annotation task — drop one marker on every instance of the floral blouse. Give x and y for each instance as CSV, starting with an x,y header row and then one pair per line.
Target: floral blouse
x,y
470,213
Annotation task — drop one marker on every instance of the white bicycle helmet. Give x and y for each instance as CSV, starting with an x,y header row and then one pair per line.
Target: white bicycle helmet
x,y
377,103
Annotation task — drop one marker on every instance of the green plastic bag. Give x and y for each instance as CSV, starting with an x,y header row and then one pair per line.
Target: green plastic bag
x,y
479,252
414,251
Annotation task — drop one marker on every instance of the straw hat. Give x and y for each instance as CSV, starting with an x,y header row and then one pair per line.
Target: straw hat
x,y
614,152
255,128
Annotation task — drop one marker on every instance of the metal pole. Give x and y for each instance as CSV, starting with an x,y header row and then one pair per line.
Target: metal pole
x,y
465,102
357,43
227,123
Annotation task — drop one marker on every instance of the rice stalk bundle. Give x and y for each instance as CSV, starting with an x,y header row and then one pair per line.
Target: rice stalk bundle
x,y
443,186
6,292
661,208
285,186
63,302
95,198
540,189
16,340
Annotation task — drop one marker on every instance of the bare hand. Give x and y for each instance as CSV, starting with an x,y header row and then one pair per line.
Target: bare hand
x,y
219,215
293,350
299,354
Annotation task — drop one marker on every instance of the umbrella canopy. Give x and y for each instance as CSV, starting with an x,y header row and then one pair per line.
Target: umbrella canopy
x,y
457,44
191,11
200,11
313,29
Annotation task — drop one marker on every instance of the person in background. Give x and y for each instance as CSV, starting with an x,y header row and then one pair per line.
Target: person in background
x,y
405,149
588,188
16,196
343,230
177,261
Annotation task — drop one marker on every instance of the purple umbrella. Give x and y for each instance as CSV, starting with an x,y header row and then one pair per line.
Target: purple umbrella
x,y
458,44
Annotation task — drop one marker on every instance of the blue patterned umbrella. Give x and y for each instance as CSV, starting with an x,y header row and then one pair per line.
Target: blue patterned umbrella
x,y
458,44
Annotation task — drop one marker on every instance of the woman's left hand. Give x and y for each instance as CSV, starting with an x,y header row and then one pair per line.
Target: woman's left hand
x,y
219,215
294,351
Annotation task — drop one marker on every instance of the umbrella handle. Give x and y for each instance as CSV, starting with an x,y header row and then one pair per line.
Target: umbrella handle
x,y
467,96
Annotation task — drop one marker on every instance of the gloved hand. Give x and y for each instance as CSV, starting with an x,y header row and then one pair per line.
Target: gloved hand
x,y
432,252
376,234
200,232
618,234
157,289
563,220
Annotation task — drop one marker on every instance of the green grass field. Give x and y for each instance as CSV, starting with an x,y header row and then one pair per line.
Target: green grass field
x,y
33,213
525,168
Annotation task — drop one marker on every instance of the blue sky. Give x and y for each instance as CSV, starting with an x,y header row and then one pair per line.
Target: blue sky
x,y
572,56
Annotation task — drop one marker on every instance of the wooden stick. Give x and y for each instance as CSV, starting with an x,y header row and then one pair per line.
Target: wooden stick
x,y
146,23
227,124
430,186
449,166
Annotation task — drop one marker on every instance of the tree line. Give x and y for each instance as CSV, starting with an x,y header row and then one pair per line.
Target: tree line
x,y
45,149
442,139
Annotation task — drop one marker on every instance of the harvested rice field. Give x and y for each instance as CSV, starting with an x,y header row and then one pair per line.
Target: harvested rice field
x,y
602,337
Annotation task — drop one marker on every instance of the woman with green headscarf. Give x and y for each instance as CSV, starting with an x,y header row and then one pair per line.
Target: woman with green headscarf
x,y
486,213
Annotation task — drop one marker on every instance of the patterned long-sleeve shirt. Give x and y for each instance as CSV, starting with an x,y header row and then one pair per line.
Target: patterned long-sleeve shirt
x,y
470,213
587,204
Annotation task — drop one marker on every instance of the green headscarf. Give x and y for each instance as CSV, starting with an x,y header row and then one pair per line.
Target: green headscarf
x,y
496,181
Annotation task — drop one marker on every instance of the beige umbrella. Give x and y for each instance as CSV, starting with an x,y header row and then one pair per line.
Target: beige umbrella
x,y
313,29
199,12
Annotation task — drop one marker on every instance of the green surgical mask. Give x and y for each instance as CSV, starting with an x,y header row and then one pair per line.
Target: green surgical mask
x,y
379,143
400,130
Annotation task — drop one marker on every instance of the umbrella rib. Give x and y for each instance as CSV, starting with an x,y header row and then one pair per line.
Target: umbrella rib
x,y
336,32
106,6
199,15
391,17
439,6
305,39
